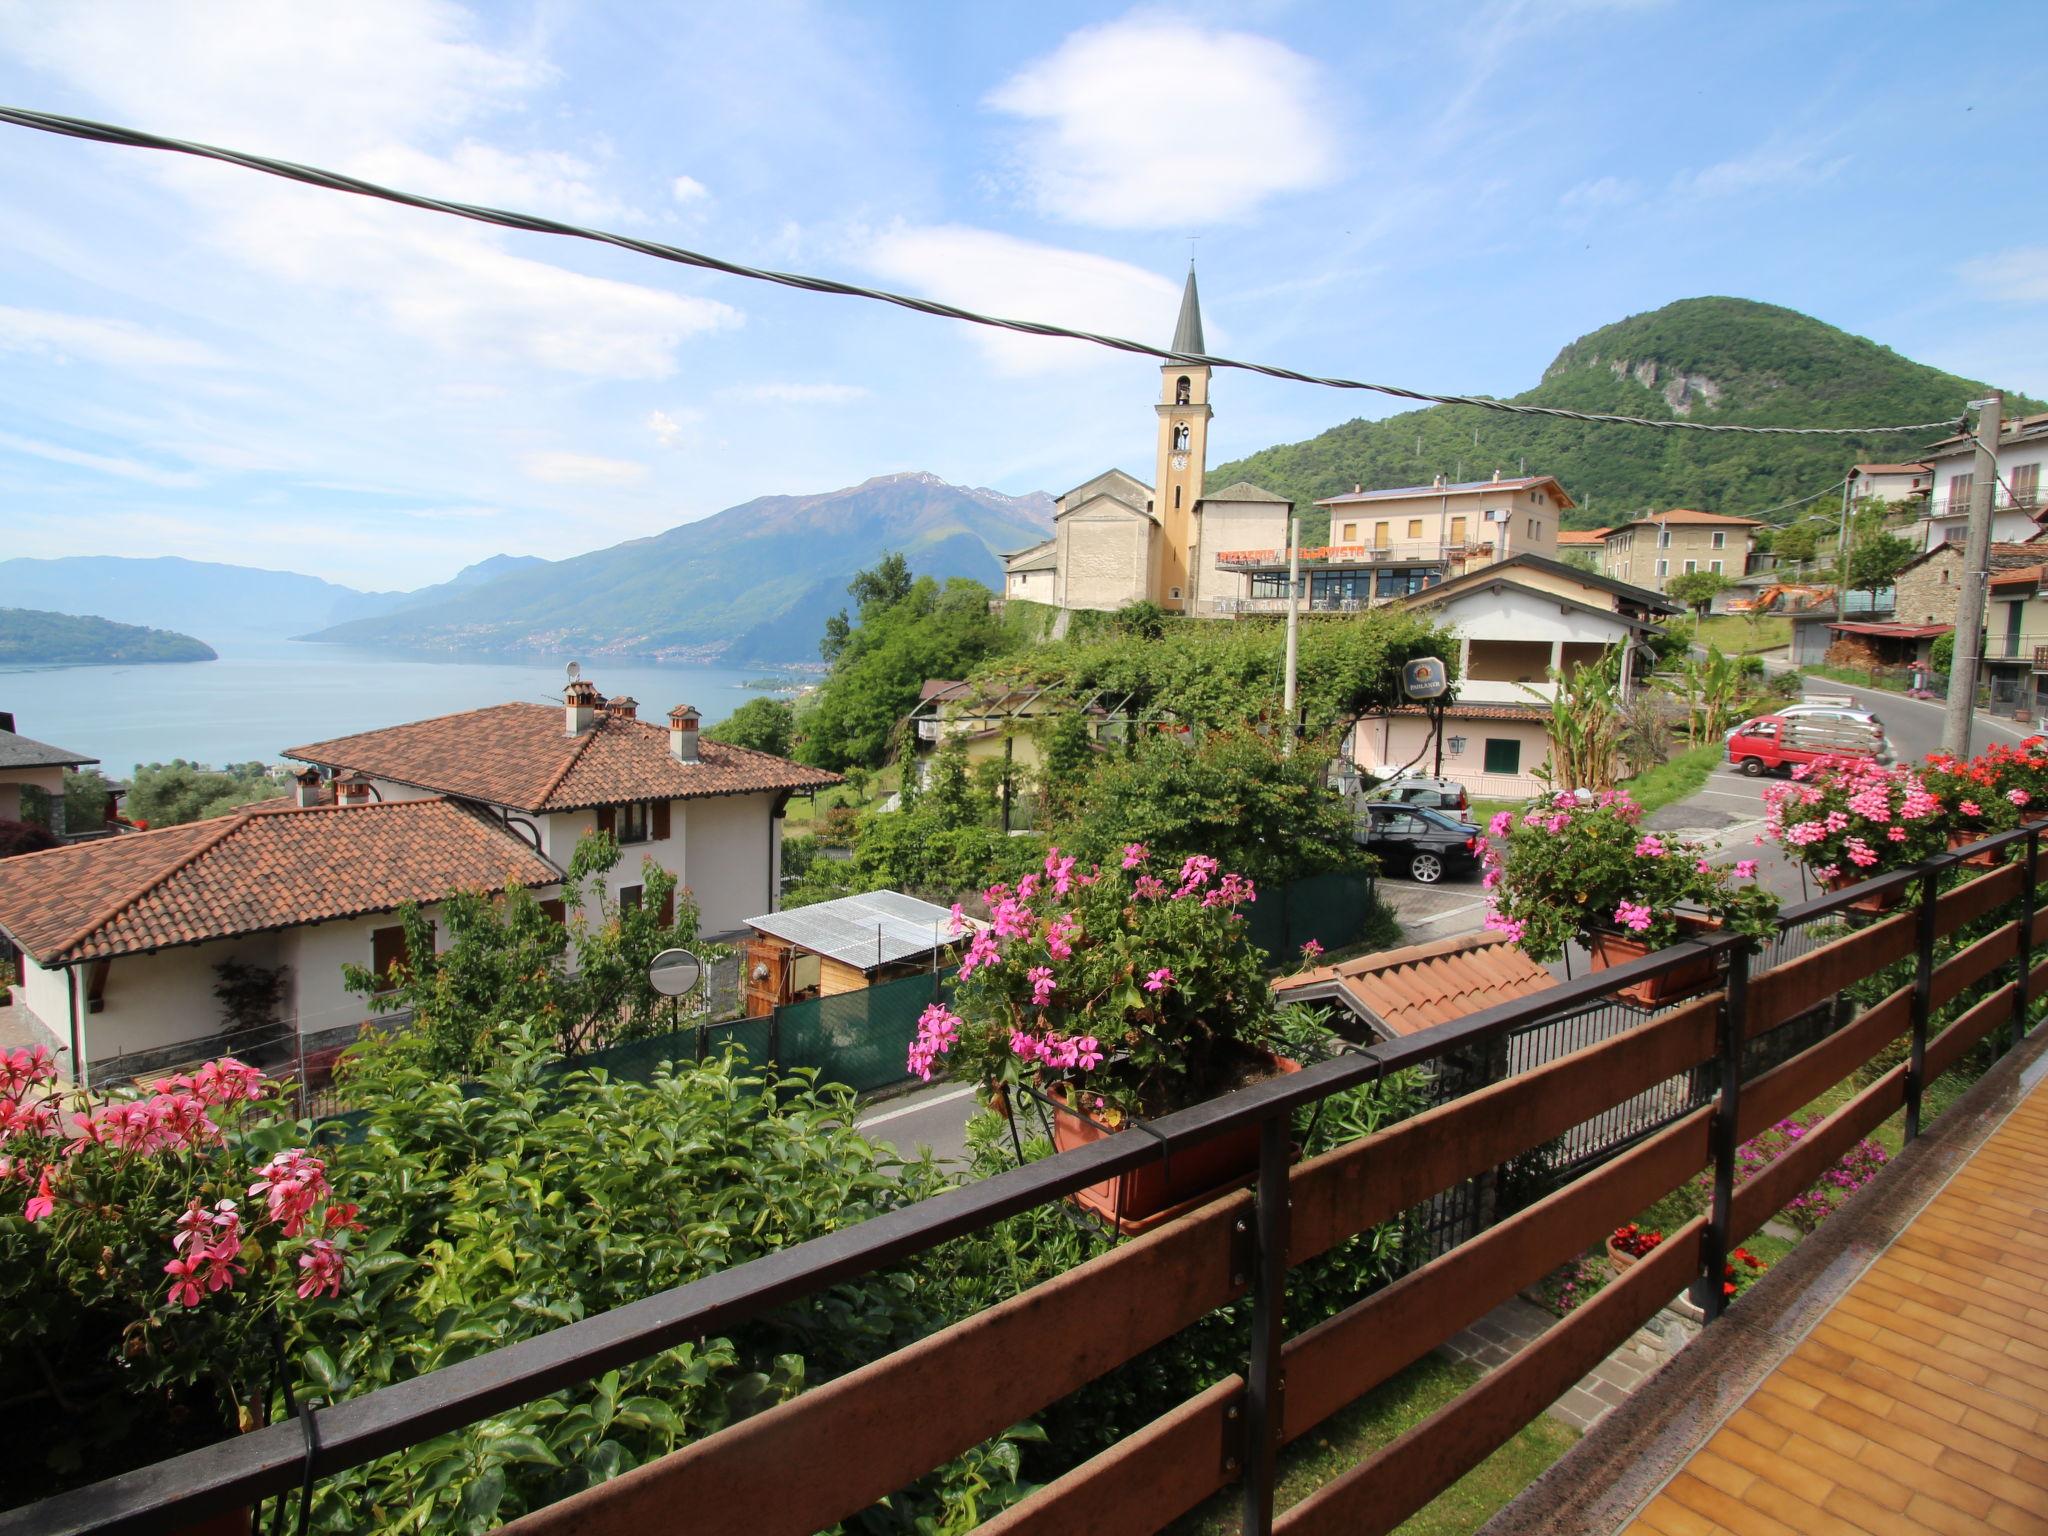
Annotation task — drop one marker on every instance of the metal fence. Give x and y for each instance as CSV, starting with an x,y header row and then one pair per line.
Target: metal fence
x,y
1331,909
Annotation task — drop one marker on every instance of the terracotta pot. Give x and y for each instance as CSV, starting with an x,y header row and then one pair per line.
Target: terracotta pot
x,y
1619,1259
1985,860
1607,949
1881,901
1184,1179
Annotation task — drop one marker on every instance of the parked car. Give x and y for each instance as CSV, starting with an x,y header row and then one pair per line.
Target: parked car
x,y
1421,843
1776,744
1426,791
1816,711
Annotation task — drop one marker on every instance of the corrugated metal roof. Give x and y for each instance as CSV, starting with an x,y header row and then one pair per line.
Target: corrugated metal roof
x,y
875,929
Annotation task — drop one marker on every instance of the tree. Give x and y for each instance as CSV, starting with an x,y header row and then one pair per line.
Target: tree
x,y
166,794
1796,546
85,799
1875,560
1697,589
766,725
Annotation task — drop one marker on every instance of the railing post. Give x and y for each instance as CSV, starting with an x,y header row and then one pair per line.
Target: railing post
x,y
2022,1000
1725,1135
1264,1384
1923,986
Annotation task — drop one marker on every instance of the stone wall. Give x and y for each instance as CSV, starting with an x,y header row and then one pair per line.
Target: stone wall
x,y
1926,592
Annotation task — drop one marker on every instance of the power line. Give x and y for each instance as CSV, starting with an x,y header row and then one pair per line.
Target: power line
x,y
335,181
1802,501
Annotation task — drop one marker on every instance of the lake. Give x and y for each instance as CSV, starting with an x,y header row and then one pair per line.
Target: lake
x,y
264,695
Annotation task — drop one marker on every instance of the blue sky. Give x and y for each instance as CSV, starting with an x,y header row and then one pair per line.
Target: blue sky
x,y
195,360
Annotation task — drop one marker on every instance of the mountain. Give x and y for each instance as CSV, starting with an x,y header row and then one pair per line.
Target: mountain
x,y
749,584
195,596
1710,359
32,636
366,605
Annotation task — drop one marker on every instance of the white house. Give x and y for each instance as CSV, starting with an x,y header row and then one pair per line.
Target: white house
x,y
2015,501
1889,482
1516,621
708,813
120,939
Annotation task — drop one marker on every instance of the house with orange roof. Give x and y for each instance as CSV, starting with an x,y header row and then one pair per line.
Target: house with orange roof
x,y
2016,500
119,941
1899,483
1650,550
708,813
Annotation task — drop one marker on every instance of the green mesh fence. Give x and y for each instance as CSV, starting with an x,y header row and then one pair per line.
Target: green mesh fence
x,y
860,1038
1331,909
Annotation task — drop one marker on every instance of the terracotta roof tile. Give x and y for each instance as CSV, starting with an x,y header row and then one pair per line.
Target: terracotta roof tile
x,y
519,755
1689,516
1401,991
1582,537
250,872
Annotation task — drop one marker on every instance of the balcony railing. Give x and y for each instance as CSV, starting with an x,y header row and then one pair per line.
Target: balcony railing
x,y
1768,1035
1413,553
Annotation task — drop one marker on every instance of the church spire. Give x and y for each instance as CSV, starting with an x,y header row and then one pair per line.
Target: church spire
x,y
1187,335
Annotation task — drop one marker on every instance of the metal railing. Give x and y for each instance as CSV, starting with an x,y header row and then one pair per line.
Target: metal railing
x,y
823,1456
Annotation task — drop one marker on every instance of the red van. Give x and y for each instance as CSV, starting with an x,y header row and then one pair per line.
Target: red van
x,y
1775,743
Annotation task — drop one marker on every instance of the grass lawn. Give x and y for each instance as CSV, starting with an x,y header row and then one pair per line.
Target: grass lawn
x,y
1676,777
1737,636
1383,1415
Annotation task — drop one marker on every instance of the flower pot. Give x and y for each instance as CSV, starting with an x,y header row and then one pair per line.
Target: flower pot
x,y
1187,1178
1606,948
1988,859
1880,901
1620,1260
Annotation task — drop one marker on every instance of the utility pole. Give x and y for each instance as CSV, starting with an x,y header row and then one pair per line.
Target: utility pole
x,y
1293,626
1962,678
1842,555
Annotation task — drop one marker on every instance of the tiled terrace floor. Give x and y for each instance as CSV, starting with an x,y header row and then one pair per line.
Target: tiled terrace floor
x,y
1919,1401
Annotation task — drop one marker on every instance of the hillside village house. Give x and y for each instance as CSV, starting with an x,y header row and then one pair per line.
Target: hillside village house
x,y
2016,506
119,939
1927,589
2016,638
1651,550
1515,621
708,813
26,763
1889,482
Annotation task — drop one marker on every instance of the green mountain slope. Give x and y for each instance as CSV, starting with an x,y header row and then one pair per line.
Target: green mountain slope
x,y
750,584
34,637
1714,359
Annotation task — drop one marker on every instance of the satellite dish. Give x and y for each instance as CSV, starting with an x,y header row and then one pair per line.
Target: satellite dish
x,y
574,671
675,973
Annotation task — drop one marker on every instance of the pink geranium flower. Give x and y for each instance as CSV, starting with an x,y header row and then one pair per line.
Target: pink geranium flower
x,y
1160,979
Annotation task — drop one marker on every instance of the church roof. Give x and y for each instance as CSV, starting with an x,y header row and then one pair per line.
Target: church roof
x,y
1187,335
1244,490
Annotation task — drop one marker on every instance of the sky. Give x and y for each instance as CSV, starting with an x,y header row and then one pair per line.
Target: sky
x,y
201,361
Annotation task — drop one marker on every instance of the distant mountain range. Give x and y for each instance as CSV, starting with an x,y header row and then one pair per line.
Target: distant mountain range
x,y
33,637
750,584
1713,359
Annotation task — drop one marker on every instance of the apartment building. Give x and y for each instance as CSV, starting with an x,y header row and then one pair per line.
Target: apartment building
x,y
1651,550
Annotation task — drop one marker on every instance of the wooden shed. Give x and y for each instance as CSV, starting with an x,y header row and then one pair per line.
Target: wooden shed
x,y
841,946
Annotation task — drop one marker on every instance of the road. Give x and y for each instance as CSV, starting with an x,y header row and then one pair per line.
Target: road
x,y
933,1116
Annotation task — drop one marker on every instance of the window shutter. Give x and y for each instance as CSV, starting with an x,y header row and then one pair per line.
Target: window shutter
x,y
660,820
668,910
556,908
387,949
607,819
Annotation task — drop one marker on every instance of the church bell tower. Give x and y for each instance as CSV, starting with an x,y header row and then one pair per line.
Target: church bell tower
x,y
1183,452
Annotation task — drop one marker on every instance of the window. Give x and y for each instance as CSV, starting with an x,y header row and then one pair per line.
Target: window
x,y
1663,538
1379,535
1414,527
631,823
1714,566
1663,567
1458,529
1351,533
2025,481
556,908
1720,539
1180,437
1182,388
1952,536
1176,498
629,897
1959,495
388,953
1503,754
1691,566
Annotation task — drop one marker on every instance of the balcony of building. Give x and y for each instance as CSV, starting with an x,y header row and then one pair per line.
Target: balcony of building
x,y
1887,1379
1400,552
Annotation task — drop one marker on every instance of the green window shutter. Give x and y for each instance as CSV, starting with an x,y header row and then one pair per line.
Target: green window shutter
x,y
1503,755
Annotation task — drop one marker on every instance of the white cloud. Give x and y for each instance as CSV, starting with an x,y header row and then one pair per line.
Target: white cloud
x,y
1769,168
672,428
799,394
126,469
372,89
581,469
117,343
688,189
2016,276
1154,123
1020,279
1602,192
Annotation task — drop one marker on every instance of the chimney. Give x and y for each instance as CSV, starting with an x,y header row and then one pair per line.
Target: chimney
x,y
352,789
624,707
308,792
1496,477
682,733
581,700
1437,483
1358,487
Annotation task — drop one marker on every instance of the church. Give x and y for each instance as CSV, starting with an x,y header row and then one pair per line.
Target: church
x,y
1117,540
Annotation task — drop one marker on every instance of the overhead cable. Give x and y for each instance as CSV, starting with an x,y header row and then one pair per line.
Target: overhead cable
x,y
335,181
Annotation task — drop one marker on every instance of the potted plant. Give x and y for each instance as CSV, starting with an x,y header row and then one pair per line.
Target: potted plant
x,y
1628,1244
1850,819
1122,994
1979,796
1582,868
164,1238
